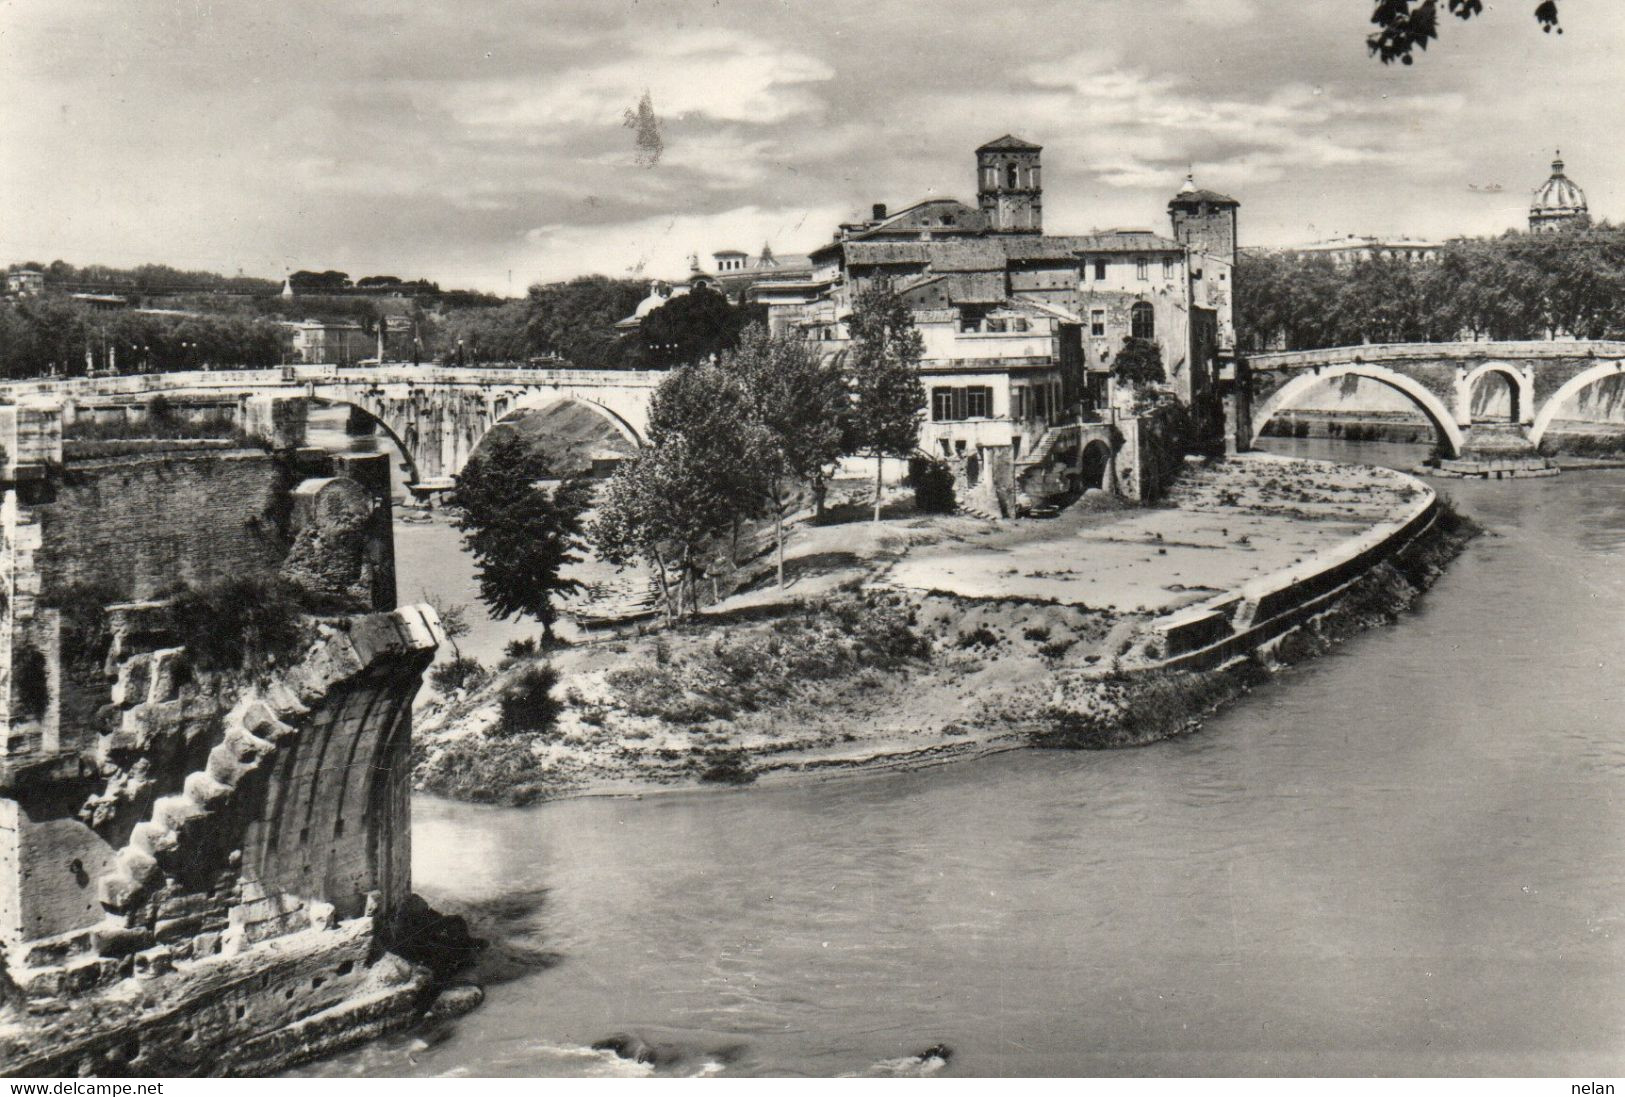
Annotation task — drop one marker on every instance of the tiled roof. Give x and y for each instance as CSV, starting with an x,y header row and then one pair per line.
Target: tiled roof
x,y
1010,141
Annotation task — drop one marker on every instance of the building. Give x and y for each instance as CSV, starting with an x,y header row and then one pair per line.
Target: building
x,y
1021,328
1349,249
25,283
339,342
1558,203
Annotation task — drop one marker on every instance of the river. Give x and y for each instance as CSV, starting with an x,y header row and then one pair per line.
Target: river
x,y
1403,858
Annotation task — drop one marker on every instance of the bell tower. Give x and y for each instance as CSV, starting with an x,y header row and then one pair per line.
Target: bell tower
x,y
1008,188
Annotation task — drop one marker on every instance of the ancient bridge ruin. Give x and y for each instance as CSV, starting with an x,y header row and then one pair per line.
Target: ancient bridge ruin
x,y
205,858
436,416
1441,380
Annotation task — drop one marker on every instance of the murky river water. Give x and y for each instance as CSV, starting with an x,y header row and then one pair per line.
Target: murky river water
x,y
1406,857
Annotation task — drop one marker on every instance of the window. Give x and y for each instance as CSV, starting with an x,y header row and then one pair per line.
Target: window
x,y
1140,270
1019,324
1040,408
969,324
1100,270
1097,322
1143,320
951,404
1012,177
1167,268
1018,402
997,325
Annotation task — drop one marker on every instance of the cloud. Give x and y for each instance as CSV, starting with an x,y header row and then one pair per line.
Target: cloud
x,y
719,75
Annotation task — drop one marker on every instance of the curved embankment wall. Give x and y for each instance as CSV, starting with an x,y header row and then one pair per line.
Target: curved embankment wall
x,y
1234,623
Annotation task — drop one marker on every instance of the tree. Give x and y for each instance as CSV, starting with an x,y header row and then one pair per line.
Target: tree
x,y
521,534
1139,363
690,486
1404,26
662,507
796,404
453,619
883,376
690,327
576,319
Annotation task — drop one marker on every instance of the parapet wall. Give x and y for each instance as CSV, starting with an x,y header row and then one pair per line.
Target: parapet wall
x,y
1236,622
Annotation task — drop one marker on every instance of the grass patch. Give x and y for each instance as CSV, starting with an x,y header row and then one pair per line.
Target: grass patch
x,y
750,671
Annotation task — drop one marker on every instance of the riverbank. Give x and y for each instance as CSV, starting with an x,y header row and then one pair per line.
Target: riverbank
x,y
921,640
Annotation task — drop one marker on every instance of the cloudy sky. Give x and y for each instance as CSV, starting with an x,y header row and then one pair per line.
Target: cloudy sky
x,y
485,142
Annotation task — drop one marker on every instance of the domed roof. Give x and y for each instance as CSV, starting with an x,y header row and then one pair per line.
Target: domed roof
x,y
1558,198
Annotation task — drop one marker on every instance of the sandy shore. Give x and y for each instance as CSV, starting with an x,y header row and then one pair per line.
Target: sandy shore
x,y
911,642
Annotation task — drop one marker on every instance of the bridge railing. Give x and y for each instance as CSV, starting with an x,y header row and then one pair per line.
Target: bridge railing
x,y
302,375
1390,352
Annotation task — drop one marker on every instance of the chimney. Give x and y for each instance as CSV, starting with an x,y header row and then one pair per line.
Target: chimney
x,y
879,211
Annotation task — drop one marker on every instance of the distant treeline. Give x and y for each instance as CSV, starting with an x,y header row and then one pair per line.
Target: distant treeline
x,y
571,321
1516,286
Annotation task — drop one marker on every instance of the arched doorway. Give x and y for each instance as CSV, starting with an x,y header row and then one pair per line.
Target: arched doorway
x,y
1495,394
1094,465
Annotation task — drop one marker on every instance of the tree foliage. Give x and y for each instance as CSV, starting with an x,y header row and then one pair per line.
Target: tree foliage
x,y
690,327
520,534
1516,286
1139,363
1405,26
883,376
797,405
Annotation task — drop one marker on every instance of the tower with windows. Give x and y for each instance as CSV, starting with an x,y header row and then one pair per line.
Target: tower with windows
x,y
1008,187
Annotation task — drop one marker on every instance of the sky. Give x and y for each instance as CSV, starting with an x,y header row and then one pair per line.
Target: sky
x,y
491,144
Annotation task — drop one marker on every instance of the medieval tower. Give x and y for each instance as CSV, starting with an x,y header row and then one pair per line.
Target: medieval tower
x,y
1008,187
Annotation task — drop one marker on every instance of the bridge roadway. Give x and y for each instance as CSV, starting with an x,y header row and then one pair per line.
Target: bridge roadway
x,y
1440,379
436,415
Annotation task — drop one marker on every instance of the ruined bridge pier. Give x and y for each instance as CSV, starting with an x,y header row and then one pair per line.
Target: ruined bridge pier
x,y
1444,380
201,859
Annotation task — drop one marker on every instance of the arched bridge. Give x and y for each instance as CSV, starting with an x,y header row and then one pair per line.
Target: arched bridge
x,y
1440,379
436,415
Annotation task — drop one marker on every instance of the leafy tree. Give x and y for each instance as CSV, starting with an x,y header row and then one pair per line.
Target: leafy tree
x,y
576,319
1404,26
796,405
1139,363
521,534
691,327
883,376
453,619
661,507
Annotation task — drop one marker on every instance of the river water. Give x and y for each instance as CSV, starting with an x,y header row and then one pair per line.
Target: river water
x,y
1403,858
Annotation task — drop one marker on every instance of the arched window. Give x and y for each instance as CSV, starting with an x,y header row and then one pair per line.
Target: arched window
x,y
1143,320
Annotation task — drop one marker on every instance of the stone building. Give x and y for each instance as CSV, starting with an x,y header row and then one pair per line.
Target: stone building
x,y
339,342
1558,203
1021,328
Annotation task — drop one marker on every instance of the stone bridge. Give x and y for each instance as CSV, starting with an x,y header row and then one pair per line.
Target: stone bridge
x,y
436,416
1440,380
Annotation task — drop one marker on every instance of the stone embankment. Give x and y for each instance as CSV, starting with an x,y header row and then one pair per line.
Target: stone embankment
x,y
924,640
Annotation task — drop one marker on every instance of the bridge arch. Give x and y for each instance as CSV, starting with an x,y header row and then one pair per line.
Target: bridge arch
x,y
1444,423
536,400
1571,388
383,425
1519,385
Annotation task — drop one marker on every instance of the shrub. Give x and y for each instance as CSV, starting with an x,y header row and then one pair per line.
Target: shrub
x,y
1036,633
933,484
463,672
487,771
82,608
244,623
979,637
727,767
527,702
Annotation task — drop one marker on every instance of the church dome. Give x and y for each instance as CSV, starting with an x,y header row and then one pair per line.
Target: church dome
x,y
1557,201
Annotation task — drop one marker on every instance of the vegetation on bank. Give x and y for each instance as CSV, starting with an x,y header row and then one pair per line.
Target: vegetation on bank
x,y
1514,286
